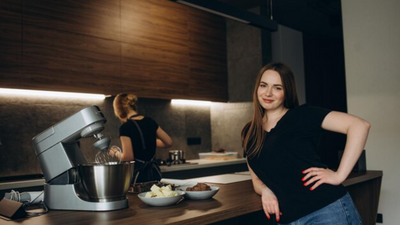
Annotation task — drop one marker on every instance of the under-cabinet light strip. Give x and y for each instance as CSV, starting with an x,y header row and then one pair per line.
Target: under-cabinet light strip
x,y
9,91
190,102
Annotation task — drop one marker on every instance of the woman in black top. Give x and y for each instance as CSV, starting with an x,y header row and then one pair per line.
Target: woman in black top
x,y
140,136
281,143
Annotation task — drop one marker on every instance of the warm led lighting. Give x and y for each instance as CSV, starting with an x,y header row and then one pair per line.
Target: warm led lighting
x,y
213,11
8,91
190,102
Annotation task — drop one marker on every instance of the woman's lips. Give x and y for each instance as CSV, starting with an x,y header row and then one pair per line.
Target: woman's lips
x,y
268,100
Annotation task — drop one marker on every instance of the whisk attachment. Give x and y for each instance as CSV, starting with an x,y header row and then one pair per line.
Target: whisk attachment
x,y
109,156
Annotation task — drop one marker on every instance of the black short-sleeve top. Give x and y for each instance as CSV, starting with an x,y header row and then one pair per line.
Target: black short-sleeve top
x,y
148,128
290,148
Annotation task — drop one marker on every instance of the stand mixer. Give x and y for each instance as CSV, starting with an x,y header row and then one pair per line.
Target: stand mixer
x,y
59,155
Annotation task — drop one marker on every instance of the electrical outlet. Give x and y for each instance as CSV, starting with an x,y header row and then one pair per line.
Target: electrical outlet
x,y
194,141
379,218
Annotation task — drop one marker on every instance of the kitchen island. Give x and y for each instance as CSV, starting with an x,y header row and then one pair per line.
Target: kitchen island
x,y
230,205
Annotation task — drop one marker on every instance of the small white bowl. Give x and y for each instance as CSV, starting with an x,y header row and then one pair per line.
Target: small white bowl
x,y
199,195
162,201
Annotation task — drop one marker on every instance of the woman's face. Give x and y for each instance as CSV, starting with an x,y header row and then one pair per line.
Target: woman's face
x,y
270,91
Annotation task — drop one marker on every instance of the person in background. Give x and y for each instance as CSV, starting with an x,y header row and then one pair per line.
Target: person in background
x,y
140,136
281,144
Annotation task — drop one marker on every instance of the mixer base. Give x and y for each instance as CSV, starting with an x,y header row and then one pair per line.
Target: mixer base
x,y
66,197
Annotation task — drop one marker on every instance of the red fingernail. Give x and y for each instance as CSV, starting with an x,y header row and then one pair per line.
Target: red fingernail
x,y
311,188
277,219
302,179
304,171
268,217
305,184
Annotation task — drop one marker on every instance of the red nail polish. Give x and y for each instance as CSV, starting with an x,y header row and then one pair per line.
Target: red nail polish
x,y
277,219
311,188
303,171
268,217
305,184
302,179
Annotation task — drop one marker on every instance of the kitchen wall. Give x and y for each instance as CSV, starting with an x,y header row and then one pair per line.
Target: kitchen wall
x,y
372,54
107,47
22,118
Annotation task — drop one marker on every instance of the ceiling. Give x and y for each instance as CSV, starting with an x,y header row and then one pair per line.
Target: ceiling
x,y
315,17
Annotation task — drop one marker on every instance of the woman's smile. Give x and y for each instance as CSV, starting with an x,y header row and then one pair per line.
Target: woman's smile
x,y
270,91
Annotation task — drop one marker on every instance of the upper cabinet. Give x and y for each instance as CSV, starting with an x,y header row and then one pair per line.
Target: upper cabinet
x,y
154,48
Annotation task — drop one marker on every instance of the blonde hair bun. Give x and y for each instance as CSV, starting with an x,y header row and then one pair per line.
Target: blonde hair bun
x,y
131,100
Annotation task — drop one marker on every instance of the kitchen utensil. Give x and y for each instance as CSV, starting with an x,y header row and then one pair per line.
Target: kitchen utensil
x,y
108,155
108,182
176,155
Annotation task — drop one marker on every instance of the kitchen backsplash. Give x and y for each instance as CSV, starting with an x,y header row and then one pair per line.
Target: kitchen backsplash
x,y
22,118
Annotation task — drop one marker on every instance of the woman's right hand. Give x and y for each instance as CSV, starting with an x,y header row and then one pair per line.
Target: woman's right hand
x,y
270,203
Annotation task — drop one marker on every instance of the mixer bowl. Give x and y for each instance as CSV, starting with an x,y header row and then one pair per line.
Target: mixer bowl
x,y
106,182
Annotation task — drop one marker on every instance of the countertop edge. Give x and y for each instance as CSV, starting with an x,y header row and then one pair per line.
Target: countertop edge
x,y
196,164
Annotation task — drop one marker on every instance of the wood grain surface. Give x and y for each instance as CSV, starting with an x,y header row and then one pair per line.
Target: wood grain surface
x,y
156,49
232,201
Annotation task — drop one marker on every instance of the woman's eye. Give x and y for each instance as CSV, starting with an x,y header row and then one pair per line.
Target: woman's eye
x,y
263,85
278,87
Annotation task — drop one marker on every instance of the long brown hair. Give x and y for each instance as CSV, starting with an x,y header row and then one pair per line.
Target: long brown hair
x,y
253,134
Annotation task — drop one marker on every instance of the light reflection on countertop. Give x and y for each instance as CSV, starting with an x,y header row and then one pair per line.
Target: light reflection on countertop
x,y
201,163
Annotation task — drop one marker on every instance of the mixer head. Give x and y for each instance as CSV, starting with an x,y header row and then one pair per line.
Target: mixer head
x,y
102,144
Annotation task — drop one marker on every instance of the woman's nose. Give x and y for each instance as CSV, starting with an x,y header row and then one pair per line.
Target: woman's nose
x,y
268,91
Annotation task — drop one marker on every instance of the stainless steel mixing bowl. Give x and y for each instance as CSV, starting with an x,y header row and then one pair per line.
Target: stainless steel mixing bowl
x,y
106,182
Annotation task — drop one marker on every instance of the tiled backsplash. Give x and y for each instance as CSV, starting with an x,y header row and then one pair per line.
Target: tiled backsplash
x,y
22,118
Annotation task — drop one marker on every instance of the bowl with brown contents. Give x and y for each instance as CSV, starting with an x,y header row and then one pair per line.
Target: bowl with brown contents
x,y
199,191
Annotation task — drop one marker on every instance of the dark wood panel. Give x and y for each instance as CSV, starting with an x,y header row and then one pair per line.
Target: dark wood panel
x,y
10,52
155,56
208,60
98,18
159,24
365,189
61,61
11,10
157,49
149,72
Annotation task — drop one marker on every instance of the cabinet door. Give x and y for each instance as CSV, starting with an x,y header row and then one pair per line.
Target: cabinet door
x,y
71,46
154,49
10,43
208,57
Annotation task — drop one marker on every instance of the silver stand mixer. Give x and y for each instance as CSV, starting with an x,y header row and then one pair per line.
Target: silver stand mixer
x,y
59,155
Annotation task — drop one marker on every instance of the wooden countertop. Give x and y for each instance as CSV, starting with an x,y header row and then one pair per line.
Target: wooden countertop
x,y
232,200
227,203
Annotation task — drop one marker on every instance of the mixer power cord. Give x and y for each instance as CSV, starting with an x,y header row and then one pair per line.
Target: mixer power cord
x,y
16,196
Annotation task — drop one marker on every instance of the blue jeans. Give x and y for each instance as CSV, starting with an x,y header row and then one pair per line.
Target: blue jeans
x,y
340,212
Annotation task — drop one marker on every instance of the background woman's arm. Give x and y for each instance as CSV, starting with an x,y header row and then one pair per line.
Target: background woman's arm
x,y
163,139
127,150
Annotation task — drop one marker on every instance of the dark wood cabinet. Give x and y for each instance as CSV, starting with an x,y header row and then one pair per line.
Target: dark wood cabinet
x,y
156,49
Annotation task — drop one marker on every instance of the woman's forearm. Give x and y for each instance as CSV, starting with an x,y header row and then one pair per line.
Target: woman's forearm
x,y
356,139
